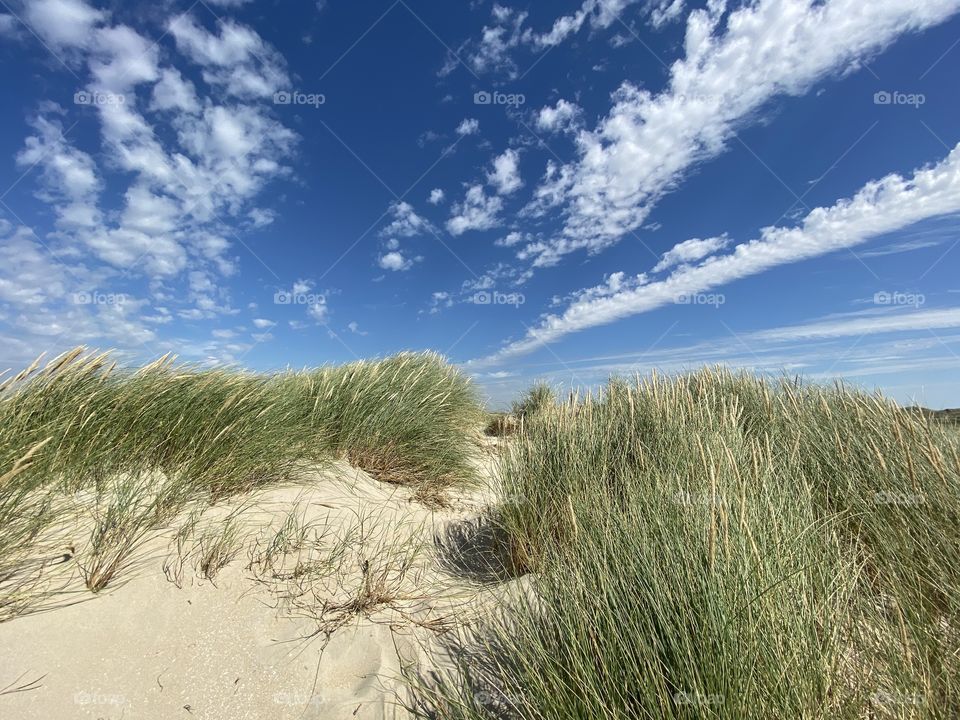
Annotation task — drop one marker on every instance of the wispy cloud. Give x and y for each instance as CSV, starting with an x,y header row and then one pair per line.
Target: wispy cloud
x,y
880,207
647,142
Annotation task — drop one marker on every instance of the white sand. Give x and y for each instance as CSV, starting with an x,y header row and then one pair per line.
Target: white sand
x,y
249,644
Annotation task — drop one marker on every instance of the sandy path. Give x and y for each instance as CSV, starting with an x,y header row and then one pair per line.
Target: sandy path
x,y
251,643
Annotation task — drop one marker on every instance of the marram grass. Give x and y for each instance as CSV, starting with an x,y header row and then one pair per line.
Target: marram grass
x,y
717,546
81,418
144,441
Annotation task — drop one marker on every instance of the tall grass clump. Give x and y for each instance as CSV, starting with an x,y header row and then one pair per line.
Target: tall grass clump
x,y
717,546
538,398
407,418
81,423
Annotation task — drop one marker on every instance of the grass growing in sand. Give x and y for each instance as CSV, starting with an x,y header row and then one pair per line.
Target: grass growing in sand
x,y
707,546
133,447
715,546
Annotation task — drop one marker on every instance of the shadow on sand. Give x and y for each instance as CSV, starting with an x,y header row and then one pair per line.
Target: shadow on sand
x,y
478,550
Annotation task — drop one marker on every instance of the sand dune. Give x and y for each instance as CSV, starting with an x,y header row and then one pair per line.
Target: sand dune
x,y
320,623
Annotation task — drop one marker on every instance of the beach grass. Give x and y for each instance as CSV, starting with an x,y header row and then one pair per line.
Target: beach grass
x,y
132,446
709,545
719,546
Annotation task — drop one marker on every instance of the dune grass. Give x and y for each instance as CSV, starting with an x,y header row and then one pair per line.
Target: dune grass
x,y
81,424
535,400
716,546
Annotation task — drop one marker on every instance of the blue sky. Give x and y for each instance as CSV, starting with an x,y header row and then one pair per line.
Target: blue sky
x,y
561,190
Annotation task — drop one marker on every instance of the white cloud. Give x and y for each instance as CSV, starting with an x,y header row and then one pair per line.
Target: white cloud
x,y
32,277
491,52
562,117
263,323
261,217
63,23
174,93
120,59
500,275
513,238
440,300
318,310
880,207
505,176
476,212
149,213
468,126
600,14
666,12
301,287
436,196
71,182
181,185
406,222
394,260
355,328
8,25
51,297
820,349
647,142
690,251
896,321
237,59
